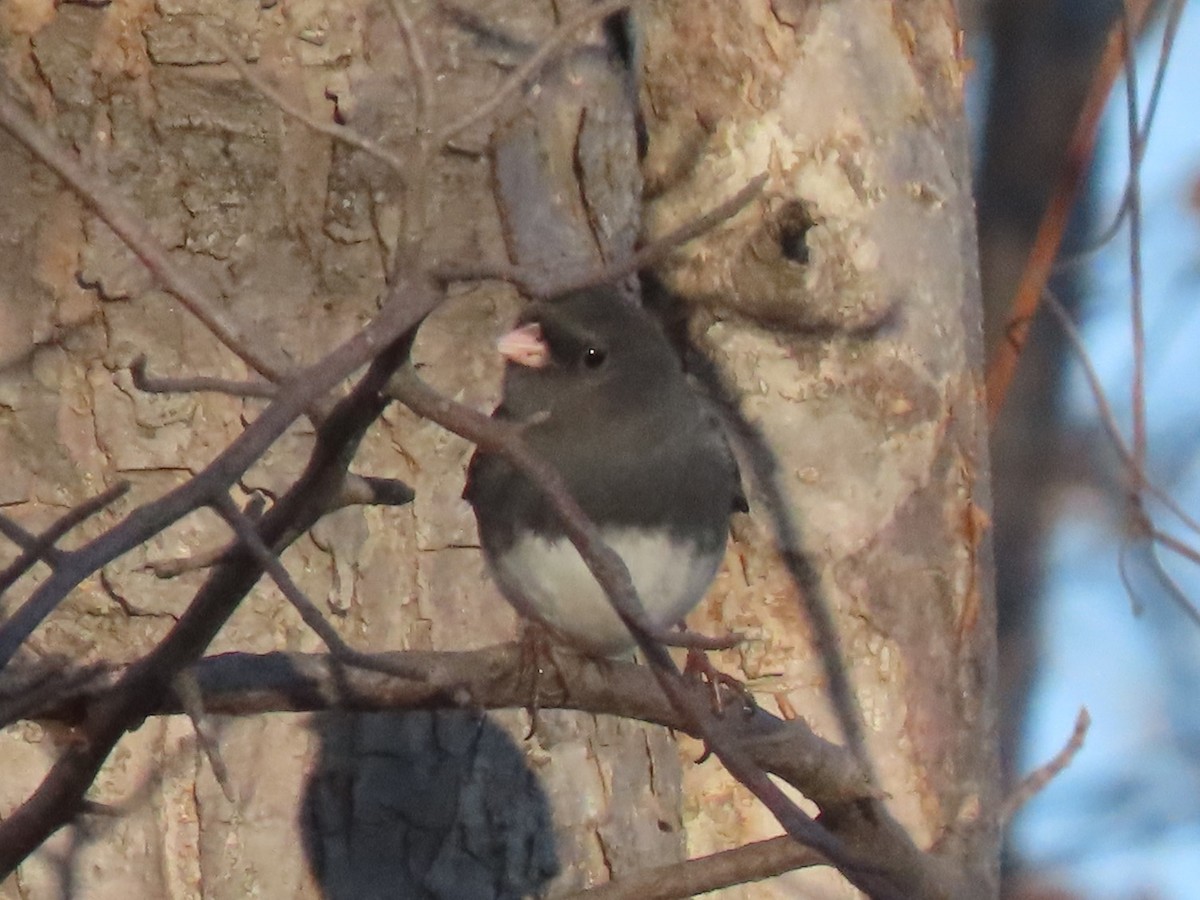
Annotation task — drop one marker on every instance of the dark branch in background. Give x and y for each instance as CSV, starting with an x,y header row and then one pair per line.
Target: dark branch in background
x,y
1054,222
41,547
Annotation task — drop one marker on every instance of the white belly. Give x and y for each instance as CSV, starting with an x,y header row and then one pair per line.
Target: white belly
x,y
548,580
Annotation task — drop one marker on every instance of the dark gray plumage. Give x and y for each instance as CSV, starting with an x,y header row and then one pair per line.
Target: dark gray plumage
x,y
604,398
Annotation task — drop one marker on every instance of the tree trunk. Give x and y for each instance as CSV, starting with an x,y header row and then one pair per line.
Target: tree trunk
x,y
843,314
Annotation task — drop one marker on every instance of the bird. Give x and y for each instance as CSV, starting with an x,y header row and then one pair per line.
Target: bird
x,y
599,392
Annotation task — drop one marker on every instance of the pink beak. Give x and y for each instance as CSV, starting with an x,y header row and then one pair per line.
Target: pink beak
x,y
525,346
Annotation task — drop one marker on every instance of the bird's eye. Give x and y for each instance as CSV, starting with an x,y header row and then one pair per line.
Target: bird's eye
x,y
593,357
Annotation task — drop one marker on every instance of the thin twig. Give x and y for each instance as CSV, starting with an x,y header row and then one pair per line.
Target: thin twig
x,y
248,535
166,569
143,381
356,490
656,251
1136,313
1035,782
42,546
678,881
416,206
371,490
343,133
536,283
1138,143
1155,538
528,70
187,689
420,64
1108,419
1054,221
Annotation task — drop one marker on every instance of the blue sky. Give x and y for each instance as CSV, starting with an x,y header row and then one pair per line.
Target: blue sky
x,y
1125,817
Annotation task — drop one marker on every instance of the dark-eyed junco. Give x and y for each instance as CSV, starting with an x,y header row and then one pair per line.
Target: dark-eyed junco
x,y
602,396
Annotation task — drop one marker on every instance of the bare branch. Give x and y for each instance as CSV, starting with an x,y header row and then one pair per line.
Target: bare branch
x,y
655,252
143,381
249,538
42,546
420,64
174,567
370,490
537,284
1035,782
343,133
494,678
752,862
245,684
187,689
1134,194
1054,222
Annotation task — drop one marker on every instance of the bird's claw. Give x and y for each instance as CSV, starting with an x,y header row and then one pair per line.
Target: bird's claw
x,y
720,686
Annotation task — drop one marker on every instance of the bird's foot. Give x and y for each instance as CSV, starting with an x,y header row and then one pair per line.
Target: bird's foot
x,y
722,687
537,661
